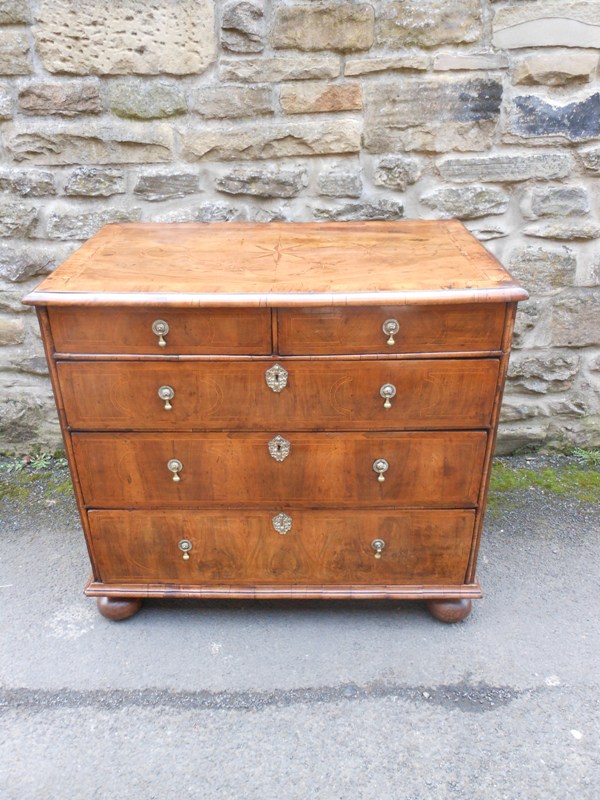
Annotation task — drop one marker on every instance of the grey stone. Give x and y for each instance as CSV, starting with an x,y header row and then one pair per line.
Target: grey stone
x,y
95,182
81,226
64,99
266,215
410,23
566,230
17,220
133,143
534,117
530,320
396,172
506,168
28,184
264,140
19,264
279,68
486,231
6,102
433,114
558,201
547,372
547,23
514,409
14,53
366,66
262,182
344,27
575,319
154,100
543,270
338,182
232,101
377,209
242,28
29,417
12,12
103,37
591,160
549,70
206,212
465,61
466,202
167,186
12,331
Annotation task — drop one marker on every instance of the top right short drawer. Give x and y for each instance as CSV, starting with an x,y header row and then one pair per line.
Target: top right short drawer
x,y
457,328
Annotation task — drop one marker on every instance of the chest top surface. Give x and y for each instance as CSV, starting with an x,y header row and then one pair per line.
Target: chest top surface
x,y
284,264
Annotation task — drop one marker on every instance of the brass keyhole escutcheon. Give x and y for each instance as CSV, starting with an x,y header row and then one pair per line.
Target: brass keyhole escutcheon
x,y
282,523
167,393
378,545
387,391
160,328
279,448
380,466
390,327
175,466
185,546
276,378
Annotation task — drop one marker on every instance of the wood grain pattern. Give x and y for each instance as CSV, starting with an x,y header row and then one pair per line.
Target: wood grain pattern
x,y
426,469
320,395
280,264
328,547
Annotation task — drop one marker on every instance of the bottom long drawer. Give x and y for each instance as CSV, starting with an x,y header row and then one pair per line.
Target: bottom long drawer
x,y
297,547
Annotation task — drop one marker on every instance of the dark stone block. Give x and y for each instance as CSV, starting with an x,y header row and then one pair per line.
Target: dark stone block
x,y
576,121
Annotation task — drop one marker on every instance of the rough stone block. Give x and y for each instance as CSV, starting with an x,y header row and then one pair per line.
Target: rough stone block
x,y
134,143
64,99
487,230
502,168
167,186
313,98
12,12
397,172
6,103
547,23
205,212
95,182
533,117
12,331
17,220
367,66
20,263
142,100
344,27
549,70
465,61
104,37
28,184
575,319
540,374
243,28
434,114
264,140
591,160
466,202
531,324
232,101
565,230
28,418
14,53
339,182
557,201
81,226
351,212
279,68
543,270
415,23
263,182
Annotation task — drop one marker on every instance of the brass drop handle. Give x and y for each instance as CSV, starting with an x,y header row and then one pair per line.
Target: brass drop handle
x,y
160,328
185,546
390,327
378,545
167,393
387,391
380,466
175,466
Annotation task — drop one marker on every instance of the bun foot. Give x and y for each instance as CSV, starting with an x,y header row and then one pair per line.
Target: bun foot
x,y
450,610
117,608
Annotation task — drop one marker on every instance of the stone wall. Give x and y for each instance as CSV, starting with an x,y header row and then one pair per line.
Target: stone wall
x,y
304,110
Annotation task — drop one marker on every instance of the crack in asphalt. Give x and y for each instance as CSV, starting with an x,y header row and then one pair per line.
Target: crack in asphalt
x,y
464,696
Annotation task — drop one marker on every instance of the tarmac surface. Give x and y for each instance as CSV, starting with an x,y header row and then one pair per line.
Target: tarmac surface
x,y
319,700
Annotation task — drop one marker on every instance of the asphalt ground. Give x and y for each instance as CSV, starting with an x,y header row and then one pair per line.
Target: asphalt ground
x,y
298,700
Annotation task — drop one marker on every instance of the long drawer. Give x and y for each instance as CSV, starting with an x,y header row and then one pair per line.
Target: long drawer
x,y
234,395
419,547
439,469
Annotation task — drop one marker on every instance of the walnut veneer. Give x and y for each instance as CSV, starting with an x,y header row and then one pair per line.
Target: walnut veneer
x,y
315,419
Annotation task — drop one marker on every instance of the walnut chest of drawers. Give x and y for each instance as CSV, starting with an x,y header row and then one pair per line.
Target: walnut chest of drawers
x,y
281,410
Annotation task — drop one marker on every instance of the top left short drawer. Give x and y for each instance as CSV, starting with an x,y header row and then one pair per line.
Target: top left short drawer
x,y
160,331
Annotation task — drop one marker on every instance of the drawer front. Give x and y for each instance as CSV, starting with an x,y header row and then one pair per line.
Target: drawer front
x,y
191,331
421,329
421,547
342,395
424,469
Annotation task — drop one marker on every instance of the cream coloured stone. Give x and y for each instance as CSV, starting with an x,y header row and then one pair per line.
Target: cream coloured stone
x,y
324,26
552,71
366,66
145,37
279,68
465,61
14,53
406,23
312,98
232,101
12,331
548,23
